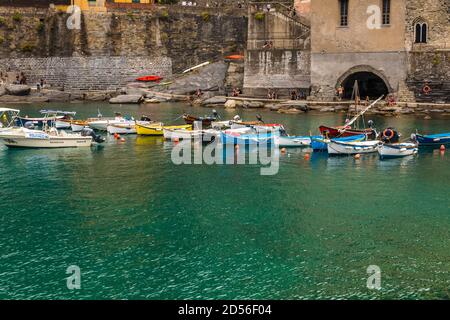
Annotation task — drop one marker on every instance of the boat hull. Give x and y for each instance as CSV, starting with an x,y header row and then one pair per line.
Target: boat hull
x,y
39,139
353,147
319,144
293,142
158,130
435,140
121,129
331,132
181,134
397,150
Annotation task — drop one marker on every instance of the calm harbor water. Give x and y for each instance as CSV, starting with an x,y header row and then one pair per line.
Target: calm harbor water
x,y
140,227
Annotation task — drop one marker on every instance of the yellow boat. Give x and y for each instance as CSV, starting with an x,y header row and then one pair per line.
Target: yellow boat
x,y
157,130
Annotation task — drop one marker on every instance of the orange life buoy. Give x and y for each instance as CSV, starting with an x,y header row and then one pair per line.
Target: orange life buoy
x,y
390,136
426,89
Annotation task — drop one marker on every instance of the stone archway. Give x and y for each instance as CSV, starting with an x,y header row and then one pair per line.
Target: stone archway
x,y
371,82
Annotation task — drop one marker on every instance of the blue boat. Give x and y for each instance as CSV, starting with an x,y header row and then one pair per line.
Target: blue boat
x,y
433,140
318,142
248,139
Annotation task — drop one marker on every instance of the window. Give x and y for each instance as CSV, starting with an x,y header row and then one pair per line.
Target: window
x,y
386,12
344,12
421,32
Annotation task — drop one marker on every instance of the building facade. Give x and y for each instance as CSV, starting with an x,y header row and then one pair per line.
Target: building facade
x,y
387,46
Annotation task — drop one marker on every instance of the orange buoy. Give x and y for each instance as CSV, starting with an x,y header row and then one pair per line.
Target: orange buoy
x,y
175,139
357,156
283,150
307,156
442,148
122,140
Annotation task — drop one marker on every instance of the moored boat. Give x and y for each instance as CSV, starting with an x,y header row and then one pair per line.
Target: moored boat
x,y
27,138
157,130
182,134
397,150
319,143
205,121
121,128
432,140
352,147
293,141
151,78
248,139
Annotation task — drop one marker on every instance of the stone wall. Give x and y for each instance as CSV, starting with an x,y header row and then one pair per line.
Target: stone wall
x,y
431,68
285,65
87,73
186,36
278,69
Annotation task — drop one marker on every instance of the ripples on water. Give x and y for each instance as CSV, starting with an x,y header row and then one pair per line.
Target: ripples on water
x,y
140,227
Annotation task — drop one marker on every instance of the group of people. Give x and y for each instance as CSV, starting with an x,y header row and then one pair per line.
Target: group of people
x,y
236,92
297,95
272,94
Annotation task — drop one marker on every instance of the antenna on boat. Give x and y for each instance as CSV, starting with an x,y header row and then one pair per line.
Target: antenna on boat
x,y
99,114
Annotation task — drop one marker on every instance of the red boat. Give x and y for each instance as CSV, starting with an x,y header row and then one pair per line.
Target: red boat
x,y
149,78
235,57
338,132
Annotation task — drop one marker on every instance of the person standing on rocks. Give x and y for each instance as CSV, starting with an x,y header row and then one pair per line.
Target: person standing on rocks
x,y
340,92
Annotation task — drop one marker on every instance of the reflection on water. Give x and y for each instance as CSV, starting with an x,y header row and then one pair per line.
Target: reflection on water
x,y
141,227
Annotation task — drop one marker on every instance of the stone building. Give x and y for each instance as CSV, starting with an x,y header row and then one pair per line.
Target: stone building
x,y
388,46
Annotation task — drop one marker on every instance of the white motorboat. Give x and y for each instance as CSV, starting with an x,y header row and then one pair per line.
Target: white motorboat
x,y
397,150
27,138
352,147
122,128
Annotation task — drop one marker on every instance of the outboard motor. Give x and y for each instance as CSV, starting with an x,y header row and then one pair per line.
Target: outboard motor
x,y
237,118
370,123
29,125
88,132
215,114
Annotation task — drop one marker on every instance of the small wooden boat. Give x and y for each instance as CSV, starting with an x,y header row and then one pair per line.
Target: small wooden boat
x,y
319,143
206,121
247,139
346,131
121,128
235,57
432,140
293,141
182,134
352,147
152,78
78,125
397,150
158,130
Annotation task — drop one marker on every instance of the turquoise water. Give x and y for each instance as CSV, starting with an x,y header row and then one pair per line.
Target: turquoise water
x,y
140,227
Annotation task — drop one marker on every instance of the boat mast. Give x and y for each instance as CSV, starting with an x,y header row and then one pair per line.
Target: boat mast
x,y
360,114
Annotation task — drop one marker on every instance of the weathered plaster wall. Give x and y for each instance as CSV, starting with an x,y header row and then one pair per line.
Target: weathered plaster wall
x,y
328,36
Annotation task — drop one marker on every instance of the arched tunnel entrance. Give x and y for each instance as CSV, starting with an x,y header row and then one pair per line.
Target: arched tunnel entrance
x,y
369,85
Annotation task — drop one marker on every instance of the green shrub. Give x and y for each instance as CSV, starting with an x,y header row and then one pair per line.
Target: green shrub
x,y
436,60
17,17
260,16
1,40
2,22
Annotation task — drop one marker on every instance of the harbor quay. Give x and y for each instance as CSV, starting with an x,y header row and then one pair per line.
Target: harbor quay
x,y
228,157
